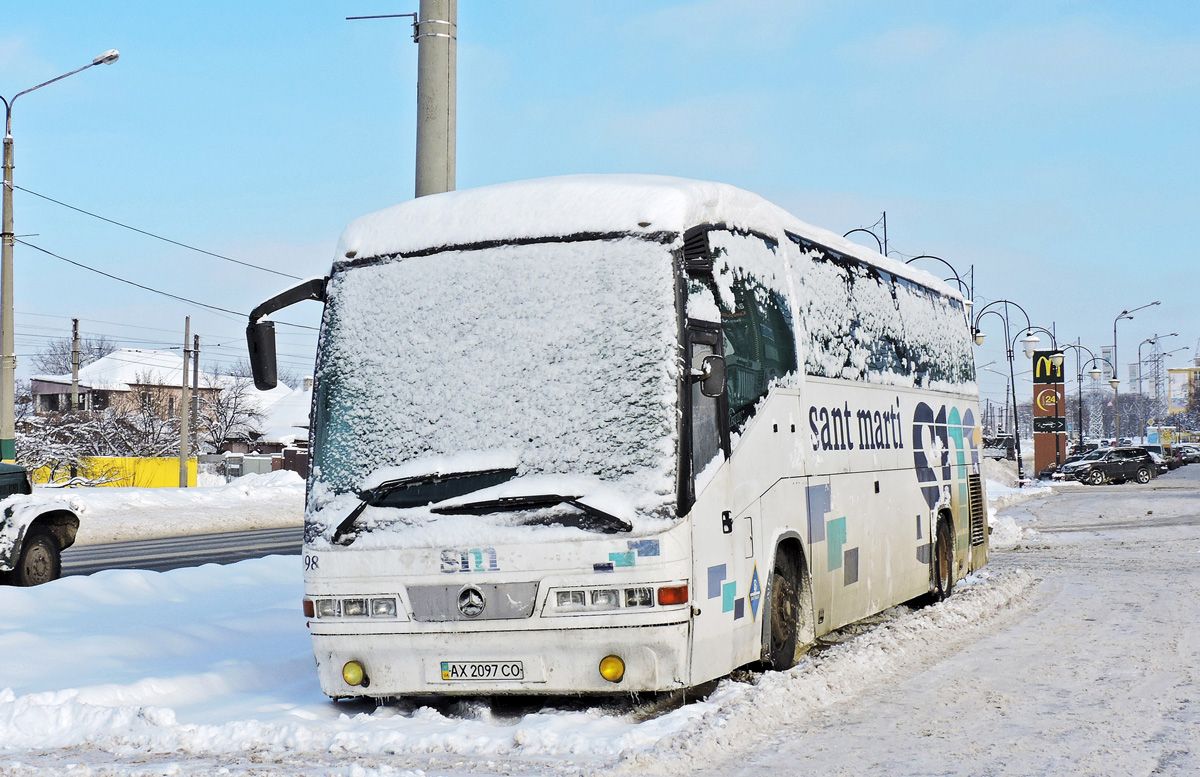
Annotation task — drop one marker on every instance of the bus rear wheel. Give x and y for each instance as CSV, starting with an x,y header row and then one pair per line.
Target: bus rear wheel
x,y
943,562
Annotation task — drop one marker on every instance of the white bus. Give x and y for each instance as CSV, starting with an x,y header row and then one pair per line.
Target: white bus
x,y
618,434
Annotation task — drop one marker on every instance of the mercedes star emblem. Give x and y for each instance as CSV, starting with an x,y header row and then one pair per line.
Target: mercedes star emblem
x,y
471,601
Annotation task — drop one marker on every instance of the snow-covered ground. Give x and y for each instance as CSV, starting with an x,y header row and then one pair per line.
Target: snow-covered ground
x,y
1065,656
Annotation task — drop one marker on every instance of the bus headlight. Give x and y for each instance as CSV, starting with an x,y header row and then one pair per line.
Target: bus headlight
x,y
639,597
383,608
612,668
328,608
570,599
605,599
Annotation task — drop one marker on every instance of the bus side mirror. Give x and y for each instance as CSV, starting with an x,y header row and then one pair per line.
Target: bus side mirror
x,y
712,376
260,339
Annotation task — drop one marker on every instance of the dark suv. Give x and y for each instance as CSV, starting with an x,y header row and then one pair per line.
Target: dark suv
x,y
1111,465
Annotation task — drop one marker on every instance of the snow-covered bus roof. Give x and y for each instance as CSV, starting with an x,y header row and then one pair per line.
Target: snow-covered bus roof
x,y
589,204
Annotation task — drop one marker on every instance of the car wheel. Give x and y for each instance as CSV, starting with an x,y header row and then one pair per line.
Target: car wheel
x,y
1096,478
40,560
1143,475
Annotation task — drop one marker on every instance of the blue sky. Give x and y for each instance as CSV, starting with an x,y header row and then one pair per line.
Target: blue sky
x,y
1051,145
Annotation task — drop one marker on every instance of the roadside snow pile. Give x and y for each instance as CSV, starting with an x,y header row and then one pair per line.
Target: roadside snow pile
x,y
1003,493
250,502
216,660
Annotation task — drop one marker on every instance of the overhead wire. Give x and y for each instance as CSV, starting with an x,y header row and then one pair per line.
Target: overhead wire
x,y
149,288
157,237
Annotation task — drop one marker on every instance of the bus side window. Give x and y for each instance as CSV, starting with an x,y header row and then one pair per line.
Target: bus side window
x,y
759,347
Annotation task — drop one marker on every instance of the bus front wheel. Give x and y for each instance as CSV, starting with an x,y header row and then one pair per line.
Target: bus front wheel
x,y
786,611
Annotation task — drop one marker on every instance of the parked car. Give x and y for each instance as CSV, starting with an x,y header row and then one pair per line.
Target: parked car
x,y
1112,465
34,530
1172,459
1080,448
1189,453
1160,462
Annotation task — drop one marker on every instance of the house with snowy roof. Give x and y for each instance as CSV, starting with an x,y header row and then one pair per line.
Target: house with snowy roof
x,y
127,378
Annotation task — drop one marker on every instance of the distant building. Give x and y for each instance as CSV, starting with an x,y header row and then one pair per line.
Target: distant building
x,y
129,379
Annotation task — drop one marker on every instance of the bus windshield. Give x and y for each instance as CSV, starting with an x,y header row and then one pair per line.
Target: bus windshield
x,y
472,370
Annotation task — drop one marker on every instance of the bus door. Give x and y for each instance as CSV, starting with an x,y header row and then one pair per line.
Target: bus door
x,y
826,534
727,597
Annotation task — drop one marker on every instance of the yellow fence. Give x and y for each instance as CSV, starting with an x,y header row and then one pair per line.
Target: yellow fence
x,y
126,471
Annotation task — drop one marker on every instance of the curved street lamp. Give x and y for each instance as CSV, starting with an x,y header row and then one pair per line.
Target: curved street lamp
x,y
8,360
1028,343
1079,379
1124,314
869,232
968,291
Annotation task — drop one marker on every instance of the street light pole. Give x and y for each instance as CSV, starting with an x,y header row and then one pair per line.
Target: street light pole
x,y
1030,341
1079,349
8,359
1116,392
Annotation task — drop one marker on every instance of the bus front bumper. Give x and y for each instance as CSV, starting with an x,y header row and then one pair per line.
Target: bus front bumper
x,y
559,661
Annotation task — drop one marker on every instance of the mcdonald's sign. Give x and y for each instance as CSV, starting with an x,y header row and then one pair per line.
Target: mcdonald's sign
x,y
1044,370
1049,404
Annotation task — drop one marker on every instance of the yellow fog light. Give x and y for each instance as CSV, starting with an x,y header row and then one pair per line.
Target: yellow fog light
x,y
612,669
353,673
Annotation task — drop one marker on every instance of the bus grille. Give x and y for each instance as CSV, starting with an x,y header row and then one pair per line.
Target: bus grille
x,y
978,510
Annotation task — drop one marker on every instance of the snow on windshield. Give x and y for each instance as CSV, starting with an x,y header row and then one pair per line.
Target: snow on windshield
x,y
560,354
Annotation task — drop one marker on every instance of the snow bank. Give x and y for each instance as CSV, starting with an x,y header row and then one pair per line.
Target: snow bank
x,y
216,660
252,501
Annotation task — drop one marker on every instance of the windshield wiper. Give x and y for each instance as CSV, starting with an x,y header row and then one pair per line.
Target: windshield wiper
x,y
592,519
419,491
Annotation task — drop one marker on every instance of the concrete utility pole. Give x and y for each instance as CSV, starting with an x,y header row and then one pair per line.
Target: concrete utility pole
x,y
195,406
74,365
437,95
183,407
8,359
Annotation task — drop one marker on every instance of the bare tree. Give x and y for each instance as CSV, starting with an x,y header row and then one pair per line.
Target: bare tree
x,y
289,378
229,413
55,358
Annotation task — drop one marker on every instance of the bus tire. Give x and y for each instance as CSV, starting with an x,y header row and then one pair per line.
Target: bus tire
x,y
943,562
786,611
40,560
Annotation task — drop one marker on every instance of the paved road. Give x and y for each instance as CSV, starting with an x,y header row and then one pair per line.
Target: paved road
x,y
166,553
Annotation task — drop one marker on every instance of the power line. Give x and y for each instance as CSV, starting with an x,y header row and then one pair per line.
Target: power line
x,y
148,288
156,237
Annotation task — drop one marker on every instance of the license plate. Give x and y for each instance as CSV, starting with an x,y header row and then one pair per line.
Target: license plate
x,y
482,670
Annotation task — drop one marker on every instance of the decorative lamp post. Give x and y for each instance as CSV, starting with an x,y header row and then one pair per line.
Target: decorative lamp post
x,y
967,290
1028,344
1124,314
1094,373
8,360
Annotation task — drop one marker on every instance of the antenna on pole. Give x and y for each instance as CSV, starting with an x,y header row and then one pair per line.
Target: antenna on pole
x,y
435,31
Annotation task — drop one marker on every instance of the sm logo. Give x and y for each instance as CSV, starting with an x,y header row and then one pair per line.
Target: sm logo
x,y
470,560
